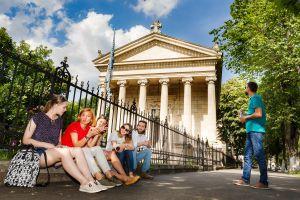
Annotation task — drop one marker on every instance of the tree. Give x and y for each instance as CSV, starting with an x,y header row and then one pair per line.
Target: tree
x,y
231,130
21,84
20,81
262,41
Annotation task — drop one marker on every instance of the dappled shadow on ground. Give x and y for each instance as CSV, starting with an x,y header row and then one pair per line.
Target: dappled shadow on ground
x,y
183,186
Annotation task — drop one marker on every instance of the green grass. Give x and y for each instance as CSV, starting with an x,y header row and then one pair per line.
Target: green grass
x,y
296,172
6,154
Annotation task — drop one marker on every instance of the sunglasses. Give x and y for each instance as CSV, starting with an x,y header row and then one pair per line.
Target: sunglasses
x,y
123,127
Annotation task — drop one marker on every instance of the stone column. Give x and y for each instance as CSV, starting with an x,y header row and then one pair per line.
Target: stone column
x,y
122,90
187,105
101,103
122,96
143,94
164,99
211,112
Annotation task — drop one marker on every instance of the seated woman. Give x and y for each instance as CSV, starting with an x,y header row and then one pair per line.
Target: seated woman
x,y
110,152
81,134
44,132
121,142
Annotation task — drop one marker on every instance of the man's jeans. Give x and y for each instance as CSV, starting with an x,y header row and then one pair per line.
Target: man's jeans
x,y
146,156
254,145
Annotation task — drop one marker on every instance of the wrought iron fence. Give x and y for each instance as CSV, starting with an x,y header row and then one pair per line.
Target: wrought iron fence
x,y
25,85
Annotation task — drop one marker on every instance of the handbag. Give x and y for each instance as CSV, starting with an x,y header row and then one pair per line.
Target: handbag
x,y
24,168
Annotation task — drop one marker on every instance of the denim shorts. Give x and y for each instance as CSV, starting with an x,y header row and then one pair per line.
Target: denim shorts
x,y
40,150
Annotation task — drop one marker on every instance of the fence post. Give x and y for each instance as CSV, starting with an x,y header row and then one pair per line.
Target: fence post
x,y
202,151
133,109
165,139
198,150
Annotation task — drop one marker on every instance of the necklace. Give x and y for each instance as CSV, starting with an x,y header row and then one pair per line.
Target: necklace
x,y
52,121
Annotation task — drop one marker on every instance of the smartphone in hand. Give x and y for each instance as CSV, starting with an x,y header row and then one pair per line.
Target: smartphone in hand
x,y
241,114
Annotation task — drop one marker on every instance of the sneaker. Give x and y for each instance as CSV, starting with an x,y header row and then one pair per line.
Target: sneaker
x,y
99,185
132,180
261,186
91,187
116,181
241,182
146,176
107,183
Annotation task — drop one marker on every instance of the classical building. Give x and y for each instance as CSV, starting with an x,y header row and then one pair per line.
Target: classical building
x,y
170,78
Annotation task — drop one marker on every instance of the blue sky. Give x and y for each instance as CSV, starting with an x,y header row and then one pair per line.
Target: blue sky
x,y
78,28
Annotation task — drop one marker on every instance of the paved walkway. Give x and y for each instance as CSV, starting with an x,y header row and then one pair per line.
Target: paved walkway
x,y
215,185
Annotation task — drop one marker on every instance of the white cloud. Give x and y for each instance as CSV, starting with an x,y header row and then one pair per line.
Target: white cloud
x,y
83,38
50,6
33,19
4,20
156,8
86,37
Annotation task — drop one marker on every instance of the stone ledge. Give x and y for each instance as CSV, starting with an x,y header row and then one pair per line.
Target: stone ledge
x,y
59,175
56,175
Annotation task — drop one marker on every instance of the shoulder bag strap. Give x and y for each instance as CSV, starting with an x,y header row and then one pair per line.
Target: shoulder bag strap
x,y
48,174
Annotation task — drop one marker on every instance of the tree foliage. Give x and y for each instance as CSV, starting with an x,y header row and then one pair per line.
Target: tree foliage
x,y
26,80
19,81
262,40
231,130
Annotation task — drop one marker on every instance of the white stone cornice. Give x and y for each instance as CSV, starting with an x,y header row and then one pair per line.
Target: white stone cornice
x,y
190,60
211,79
187,80
142,82
148,75
164,81
122,83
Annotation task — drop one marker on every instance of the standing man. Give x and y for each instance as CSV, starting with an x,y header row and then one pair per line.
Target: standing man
x,y
142,148
255,120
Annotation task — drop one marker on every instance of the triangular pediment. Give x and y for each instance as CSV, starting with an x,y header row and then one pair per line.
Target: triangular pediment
x,y
154,53
157,46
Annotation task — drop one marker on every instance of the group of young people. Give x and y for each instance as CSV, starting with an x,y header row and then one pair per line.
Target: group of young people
x,y
78,148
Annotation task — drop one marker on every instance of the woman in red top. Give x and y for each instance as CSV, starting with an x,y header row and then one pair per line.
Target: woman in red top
x,y
44,132
81,133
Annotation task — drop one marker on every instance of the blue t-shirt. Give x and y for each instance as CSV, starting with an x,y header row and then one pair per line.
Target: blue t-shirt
x,y
257,124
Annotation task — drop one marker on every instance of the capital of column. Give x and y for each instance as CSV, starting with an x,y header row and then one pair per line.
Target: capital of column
x,y
211,79
102,84
187,80
164,81
142,82
122,83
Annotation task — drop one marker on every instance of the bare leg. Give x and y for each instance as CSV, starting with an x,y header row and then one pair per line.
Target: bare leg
x,y
98,176
131,174
77,153
109,174
116,163
121,175
64,155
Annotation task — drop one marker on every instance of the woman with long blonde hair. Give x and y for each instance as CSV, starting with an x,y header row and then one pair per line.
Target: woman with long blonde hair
x,y
81,134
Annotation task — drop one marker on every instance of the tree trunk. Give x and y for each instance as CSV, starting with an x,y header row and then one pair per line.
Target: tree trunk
x,y
283,134
292,142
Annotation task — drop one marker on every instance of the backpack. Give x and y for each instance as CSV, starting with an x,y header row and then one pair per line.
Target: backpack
x,y
24,168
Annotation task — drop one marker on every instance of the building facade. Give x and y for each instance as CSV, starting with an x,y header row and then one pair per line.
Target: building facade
x,y
175,80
